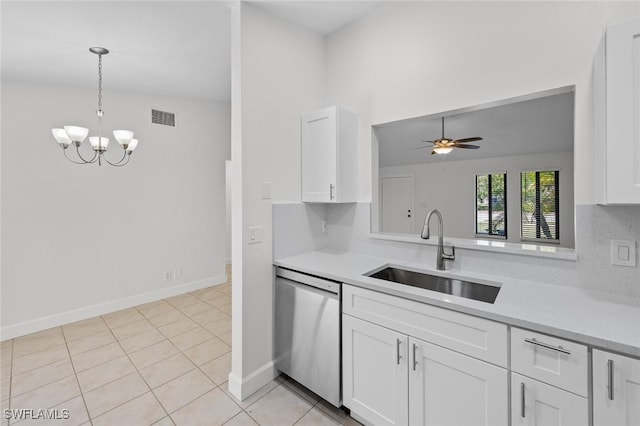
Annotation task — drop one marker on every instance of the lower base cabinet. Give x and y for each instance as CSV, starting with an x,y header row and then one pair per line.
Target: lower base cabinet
x,y
390,378
374,372
447,388
534,403
616,390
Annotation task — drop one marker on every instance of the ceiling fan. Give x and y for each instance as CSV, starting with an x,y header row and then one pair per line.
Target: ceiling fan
x,y
445,145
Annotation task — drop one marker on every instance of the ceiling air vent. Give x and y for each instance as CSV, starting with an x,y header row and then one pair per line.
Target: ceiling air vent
x,y
162,117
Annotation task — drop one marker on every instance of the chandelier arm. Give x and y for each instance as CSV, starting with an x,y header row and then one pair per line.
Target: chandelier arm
x,y
117,163
73,161
93,159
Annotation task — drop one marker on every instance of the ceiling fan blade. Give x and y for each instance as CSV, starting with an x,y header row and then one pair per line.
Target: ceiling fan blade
x,y
420,147
465,140
466,146
430,141
433,152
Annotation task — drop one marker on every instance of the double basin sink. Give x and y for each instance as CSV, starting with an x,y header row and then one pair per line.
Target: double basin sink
x,y
456,287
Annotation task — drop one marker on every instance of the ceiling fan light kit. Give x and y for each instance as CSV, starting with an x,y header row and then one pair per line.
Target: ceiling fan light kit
x,y
444,145
75,135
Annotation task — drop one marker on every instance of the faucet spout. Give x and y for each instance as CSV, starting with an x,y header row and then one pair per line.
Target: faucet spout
x,y
426,234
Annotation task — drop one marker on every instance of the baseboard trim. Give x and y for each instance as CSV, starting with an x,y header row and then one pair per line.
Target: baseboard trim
x,y
55,320
244,388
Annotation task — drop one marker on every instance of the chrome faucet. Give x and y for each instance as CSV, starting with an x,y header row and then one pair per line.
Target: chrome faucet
x,y
442,256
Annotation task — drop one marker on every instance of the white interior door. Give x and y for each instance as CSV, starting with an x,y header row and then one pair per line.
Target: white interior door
x,y
396,201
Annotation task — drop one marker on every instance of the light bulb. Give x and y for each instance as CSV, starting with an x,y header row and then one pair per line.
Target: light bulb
x,y
61,137
442,150
123,137
99,144
132,145
76,134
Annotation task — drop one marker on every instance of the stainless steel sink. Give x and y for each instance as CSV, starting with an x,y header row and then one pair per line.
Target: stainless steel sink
x,y
455,287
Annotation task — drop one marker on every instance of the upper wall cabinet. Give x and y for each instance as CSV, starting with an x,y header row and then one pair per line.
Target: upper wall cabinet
x,y
617,115
329,156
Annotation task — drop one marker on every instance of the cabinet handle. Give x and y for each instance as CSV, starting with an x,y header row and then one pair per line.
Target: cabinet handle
x,y
547,346
331,188
610,379
522,400
398,343
415,360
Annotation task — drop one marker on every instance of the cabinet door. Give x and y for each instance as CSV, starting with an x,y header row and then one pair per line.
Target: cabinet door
x,y
447,388
534,403
319,158
619,406
374,368
623,112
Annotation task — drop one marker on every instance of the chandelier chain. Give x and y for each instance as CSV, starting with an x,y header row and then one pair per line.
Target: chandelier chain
x,y
100,83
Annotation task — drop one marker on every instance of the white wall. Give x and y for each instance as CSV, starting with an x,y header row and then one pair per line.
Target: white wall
x,y
80,240
450,187
408,59
277,74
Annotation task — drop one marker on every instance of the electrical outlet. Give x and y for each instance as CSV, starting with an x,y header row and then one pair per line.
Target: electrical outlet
x,y
167,276
177,273
324,226
623,252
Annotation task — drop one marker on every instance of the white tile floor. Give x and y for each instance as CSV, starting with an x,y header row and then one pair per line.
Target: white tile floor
x,y
162,363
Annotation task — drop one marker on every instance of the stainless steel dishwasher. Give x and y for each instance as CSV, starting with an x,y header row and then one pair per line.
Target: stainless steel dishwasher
x,y
307,332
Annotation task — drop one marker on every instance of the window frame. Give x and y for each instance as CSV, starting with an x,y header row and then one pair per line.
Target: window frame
x,y
489,211
537,172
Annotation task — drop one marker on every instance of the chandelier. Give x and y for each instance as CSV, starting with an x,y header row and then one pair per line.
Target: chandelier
x,y
74,135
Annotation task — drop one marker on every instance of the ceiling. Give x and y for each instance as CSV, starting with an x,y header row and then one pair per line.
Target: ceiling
x,y
534,126
323,17
172,48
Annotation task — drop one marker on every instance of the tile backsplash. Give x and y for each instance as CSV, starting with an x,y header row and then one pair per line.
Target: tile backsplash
x,y
297,229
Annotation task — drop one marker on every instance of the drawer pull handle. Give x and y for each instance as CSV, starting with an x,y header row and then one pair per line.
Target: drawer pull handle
x,y
610,379
331,188
522,400
415,361
398,343
546,346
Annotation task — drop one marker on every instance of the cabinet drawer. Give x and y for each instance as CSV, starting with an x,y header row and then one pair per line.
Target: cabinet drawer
x,y
549,359
473,336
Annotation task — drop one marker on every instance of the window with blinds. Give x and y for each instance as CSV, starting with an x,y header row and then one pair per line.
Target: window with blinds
x,y
540,212
491,205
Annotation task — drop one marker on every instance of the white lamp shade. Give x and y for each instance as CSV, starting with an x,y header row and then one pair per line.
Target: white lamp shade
x,y
123,136
61,137
443,150
132,145
104,142
75,133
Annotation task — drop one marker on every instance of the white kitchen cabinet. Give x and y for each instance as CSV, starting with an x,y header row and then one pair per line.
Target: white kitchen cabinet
x,y
548,359
391,377
616,390
534,403
329,156
448,388
617,115
375,375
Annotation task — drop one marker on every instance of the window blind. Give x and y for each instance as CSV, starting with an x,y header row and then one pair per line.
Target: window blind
x,y
540,205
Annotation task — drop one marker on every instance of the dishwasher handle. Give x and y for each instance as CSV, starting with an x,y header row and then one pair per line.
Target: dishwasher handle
x,y
310,280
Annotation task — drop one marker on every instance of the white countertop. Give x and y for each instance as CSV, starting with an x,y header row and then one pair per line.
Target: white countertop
x,y
598,319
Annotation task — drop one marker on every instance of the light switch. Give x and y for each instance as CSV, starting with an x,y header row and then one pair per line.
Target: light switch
x,y
265,189
623,252
255,234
